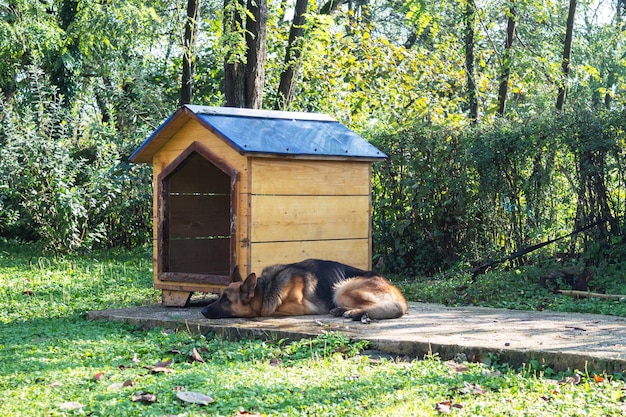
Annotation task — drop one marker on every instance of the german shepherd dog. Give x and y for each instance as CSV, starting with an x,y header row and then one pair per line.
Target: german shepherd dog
x,y
312,286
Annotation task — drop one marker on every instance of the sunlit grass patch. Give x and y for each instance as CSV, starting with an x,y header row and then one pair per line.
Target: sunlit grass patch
x,y
34,285
107,366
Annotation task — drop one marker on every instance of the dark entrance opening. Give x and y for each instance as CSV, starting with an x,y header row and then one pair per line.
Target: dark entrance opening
x,y
196,233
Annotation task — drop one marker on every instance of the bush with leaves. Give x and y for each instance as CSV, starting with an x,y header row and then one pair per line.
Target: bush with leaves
x,y
450,196
63,184
423,194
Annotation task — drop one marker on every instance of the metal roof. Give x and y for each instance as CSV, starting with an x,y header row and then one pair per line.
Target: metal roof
x,y
266,132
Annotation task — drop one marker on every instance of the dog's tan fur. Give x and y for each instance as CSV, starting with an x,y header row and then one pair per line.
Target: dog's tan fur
x,y
309,287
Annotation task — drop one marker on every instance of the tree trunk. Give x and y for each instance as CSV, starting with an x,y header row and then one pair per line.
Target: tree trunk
x,y
505,71
470,68
255,63
101,102
234,69
292,56
567,54
330,6
243,81
189,42
612,77
57,67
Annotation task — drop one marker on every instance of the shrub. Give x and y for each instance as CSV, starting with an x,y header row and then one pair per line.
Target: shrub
x,y
446,197
422,200
64,183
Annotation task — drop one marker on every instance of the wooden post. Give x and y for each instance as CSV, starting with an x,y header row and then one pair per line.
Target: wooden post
x,y
171,298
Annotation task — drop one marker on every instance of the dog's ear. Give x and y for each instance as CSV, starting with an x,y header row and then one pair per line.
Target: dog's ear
x,y
236,275
246,291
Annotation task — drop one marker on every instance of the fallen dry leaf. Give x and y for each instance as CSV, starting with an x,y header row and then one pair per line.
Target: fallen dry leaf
x,y
194,397
472,389
160,367
443,406
488,372
275,362
447,406
144,397
70,405
163,364
574,380
457,367
195,356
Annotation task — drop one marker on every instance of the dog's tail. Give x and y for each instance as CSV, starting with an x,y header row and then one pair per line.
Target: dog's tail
x,y
371,295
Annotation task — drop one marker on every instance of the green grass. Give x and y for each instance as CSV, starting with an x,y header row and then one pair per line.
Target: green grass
x,y
34,285
52,359
519,289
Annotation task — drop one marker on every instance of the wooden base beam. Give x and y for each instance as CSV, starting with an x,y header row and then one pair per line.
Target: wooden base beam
x,y
171,298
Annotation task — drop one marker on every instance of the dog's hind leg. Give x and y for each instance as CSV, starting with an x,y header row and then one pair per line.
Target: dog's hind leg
x,y
355,314
374,296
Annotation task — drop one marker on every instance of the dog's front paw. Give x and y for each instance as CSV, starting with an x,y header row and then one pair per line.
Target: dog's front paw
x,y
338,311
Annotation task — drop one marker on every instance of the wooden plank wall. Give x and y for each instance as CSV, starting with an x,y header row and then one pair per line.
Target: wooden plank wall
x,y
309,209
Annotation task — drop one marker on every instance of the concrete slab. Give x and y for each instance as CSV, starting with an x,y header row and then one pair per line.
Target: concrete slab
x,y
559,340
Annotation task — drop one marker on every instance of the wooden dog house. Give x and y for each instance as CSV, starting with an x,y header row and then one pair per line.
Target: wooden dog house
x,y
254,188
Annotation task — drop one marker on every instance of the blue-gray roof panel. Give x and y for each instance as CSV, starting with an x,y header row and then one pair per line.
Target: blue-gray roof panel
x,y
266,132
290,136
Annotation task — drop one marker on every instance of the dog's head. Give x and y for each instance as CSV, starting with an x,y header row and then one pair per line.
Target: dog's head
x,y
235,300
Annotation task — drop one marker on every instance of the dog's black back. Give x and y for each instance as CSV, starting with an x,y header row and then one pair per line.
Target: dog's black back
x,y
320,275
328,273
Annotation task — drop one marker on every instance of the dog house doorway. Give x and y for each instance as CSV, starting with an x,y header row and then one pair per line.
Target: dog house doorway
x,y
197,212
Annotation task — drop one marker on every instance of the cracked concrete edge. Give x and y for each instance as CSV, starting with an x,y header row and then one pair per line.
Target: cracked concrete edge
x,y
558,361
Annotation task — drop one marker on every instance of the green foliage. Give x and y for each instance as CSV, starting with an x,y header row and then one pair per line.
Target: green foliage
x,y
62,186
525,197
422,195
446,196
372,83
233,40
519,289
